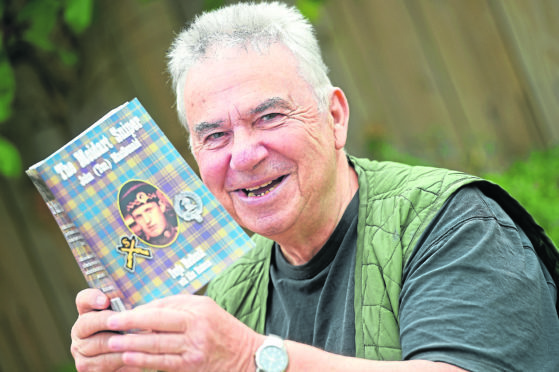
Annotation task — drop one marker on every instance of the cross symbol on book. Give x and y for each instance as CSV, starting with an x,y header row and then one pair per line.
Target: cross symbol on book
x,y
130,250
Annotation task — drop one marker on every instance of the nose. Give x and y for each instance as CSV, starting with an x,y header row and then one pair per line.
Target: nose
x,y
247,151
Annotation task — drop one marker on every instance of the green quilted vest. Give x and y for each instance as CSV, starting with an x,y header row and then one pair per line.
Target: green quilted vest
x,y
396,203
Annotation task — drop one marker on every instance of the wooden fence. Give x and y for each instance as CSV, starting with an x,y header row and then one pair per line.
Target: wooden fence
x,y
465,84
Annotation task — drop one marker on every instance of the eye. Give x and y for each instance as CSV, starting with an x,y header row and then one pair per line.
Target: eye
x,y
271,116
215,136
271,120
215,140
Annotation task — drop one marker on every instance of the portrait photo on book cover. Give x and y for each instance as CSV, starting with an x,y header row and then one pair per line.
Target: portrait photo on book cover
x,y
148,213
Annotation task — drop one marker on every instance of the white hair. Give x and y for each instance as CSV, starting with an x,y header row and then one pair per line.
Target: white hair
x,y
255,25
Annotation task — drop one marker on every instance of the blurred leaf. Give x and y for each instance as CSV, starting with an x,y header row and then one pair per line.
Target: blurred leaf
x,y
310,8
41,16
7,88
535,184
69,58
212,4
10,161
77,14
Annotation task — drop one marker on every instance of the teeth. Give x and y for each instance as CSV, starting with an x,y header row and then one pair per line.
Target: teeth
x,y
251,194
258,187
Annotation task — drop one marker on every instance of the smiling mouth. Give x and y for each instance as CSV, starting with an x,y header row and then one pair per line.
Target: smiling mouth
x,y
263,189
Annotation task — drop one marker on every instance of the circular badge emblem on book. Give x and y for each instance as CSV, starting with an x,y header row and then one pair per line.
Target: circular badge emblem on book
x,y
188,206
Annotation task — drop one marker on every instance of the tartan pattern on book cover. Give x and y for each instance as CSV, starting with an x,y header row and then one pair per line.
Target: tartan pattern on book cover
x,y
87,176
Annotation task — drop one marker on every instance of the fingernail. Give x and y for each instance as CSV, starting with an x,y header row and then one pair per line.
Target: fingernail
x,y
115,343
101,301
112,322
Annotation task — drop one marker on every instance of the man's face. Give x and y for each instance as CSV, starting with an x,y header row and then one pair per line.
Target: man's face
x,y
262,146
151,219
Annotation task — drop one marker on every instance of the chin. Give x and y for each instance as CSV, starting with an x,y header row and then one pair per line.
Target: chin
x,y
267,227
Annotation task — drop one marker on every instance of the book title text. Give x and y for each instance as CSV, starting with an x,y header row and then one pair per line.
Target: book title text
x,y
97,157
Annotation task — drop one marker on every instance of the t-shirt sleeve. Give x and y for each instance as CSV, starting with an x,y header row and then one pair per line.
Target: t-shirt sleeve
x,y
476,295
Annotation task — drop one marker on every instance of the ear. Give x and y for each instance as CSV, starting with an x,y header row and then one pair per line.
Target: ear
x,y
162,205
339,112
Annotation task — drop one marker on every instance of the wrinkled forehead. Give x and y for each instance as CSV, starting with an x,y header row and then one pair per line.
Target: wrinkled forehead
x,y
242,72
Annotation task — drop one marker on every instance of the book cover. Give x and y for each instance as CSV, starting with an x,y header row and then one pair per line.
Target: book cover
x,y
139,221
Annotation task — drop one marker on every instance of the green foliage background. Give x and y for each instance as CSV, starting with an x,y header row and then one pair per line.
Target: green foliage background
x,y
535,184
26,27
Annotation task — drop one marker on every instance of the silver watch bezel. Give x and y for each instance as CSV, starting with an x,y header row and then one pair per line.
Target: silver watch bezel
x,y
271,341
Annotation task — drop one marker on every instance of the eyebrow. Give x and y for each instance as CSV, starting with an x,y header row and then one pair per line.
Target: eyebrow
x,y
205,127
271,103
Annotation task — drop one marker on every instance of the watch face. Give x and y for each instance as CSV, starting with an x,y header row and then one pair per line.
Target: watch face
x,y
272,359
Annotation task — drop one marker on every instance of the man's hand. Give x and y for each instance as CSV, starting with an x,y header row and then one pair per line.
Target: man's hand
x,y
192,333
180,333
90,334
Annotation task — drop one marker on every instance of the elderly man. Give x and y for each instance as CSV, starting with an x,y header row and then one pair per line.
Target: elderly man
x,y
359,265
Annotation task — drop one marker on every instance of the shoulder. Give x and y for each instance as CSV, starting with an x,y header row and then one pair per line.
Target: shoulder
x,y
416,190
470,203
468,212
470,229
402,199
390,178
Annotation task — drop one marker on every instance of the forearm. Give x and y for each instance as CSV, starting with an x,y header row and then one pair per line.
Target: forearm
x,y
308,358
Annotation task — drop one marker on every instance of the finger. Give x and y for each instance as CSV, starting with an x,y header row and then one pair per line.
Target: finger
x,y
156,319
133,369
95,345
91,323
91,299
154,343
182,302
105,362
171,301
166,362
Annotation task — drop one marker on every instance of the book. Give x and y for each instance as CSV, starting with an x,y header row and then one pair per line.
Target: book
x,y
138,220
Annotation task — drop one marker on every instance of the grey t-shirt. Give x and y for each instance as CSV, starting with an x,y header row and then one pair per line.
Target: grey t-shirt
x,y
313,303
474,293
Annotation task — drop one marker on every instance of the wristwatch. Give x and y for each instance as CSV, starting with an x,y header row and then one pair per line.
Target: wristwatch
x,y
271,356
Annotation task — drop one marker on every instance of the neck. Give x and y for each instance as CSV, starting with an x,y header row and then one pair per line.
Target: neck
x,y
304,242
